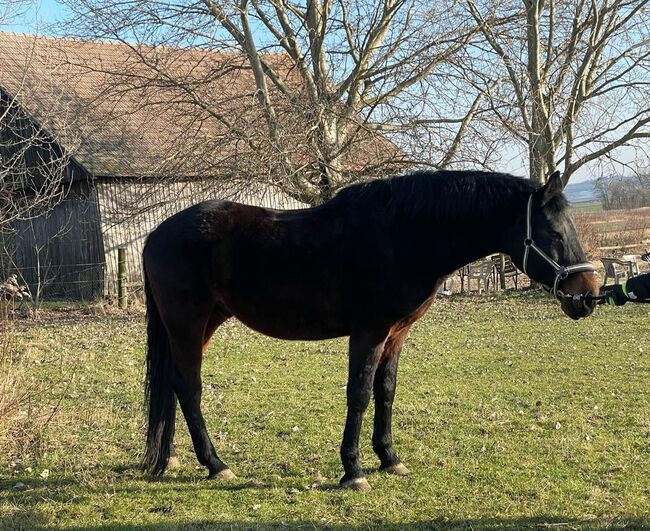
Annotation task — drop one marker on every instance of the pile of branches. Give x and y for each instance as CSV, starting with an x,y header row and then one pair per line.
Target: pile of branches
x,y
12,291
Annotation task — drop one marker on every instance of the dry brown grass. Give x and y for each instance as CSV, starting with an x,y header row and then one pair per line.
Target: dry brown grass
x,y
590,238
24,418
14,393
614,232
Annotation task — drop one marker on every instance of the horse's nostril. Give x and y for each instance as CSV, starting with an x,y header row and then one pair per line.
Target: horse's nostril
x,y
589,305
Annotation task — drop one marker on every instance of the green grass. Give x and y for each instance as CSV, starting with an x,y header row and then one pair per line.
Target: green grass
x,y
586,207
509,415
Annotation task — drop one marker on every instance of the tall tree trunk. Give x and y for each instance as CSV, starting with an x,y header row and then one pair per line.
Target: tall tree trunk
x,y
540,136
330,163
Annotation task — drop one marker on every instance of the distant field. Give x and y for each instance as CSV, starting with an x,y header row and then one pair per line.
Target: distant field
x,y
586,207
509,414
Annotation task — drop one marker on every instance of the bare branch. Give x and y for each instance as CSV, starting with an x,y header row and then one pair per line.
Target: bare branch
x,y
576,74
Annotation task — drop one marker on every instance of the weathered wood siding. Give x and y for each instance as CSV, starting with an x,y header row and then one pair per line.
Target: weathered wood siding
x,y
130,210
71,252
60,255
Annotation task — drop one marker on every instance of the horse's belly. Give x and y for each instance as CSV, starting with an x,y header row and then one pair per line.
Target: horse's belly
x,y
287,326
290,319
297,333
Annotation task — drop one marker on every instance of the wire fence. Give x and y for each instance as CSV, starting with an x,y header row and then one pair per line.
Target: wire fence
x,y
83,282
94,281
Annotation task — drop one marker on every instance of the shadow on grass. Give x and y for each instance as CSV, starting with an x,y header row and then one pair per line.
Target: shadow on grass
x,y
64,492
536,522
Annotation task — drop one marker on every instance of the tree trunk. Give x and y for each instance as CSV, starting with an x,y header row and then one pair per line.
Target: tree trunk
x,y
330,164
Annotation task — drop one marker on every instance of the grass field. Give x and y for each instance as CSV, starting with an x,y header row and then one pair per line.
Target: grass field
x,y
509,415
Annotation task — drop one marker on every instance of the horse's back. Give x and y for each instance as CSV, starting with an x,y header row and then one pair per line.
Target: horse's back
x,y
277,271
200,221
180,249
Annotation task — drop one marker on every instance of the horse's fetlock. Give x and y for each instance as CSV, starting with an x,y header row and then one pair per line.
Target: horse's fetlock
x,y
381,448
350,456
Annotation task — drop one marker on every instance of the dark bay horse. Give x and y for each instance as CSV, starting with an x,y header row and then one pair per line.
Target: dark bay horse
x,y
366,264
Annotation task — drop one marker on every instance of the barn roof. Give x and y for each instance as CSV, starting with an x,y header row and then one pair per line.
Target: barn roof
x,y
117,119
72,88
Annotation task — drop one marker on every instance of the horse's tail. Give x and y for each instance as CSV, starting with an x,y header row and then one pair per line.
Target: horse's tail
x,y
159,390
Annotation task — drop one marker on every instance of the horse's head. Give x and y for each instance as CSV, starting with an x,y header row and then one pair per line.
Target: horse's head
x,y
544,244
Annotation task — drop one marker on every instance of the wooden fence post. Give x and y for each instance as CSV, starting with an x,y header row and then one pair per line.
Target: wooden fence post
x,y
121,277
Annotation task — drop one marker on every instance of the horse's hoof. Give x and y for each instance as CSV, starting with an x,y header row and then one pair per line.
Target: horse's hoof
x,y
224,475
398,470
173,463
356,484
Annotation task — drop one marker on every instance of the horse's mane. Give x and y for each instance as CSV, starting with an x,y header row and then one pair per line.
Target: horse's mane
x,y
442,195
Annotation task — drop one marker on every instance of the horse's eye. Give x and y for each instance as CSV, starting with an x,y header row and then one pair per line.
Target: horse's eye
x,y
556,235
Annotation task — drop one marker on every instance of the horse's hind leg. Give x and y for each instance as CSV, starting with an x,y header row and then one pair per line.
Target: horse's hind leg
x,y
384,389
173,463
187,352
217,317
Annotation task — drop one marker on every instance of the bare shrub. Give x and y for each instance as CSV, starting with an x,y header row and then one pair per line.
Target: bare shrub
x,y
24,416
14,389
590,238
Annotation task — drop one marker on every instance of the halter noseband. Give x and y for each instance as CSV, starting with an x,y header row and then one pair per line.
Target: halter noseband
x,y
560,272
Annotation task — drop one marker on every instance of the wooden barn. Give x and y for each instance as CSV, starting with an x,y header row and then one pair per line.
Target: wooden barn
x,y
122,172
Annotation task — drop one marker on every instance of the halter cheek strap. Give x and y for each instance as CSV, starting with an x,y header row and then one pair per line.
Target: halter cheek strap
x,y
560,272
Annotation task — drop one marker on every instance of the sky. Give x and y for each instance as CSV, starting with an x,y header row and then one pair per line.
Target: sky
x,y
44,17
38,16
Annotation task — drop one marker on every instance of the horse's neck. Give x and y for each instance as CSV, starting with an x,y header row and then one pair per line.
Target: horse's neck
x,y
468,246
471,235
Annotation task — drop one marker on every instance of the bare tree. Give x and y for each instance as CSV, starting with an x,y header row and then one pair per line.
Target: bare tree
x,y
570,78
341,89
624,192
32,166
12,10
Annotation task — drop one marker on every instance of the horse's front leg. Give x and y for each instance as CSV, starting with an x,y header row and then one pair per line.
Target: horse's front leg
x,y
365,353
384,390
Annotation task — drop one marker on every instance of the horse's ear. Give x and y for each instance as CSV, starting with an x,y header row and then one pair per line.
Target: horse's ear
x,y
552,188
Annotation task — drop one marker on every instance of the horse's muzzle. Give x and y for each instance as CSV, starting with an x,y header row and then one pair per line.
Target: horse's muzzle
x,y
583,283
577,308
